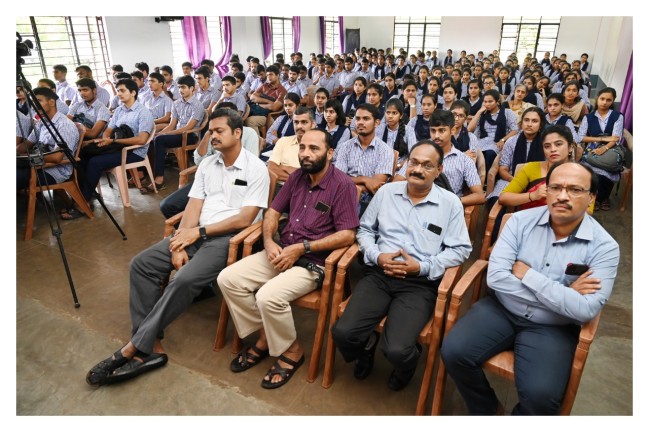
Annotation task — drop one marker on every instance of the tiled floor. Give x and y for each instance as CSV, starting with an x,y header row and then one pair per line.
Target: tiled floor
x,y
57,344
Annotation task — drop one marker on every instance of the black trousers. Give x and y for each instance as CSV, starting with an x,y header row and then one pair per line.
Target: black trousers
x,y
542,358
604,189
408,304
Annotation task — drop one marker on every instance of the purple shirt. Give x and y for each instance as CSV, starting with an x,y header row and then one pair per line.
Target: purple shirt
x,y
308,217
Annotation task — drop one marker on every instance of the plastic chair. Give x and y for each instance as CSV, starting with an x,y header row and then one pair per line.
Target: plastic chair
x,y
119,172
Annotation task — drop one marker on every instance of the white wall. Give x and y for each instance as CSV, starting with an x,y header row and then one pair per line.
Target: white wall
x,y
153,41
309,36
377,32
246,37
613,51
608,40
472,34
579,35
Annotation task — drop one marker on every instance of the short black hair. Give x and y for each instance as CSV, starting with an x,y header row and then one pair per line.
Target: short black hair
x,y
46,92
229,78
235,121
117,68
203,70
51,84
188,64
60,68
156,76
167,69
328,139
86,82
130,85
140,75
186,80
442,118
142,66
301,110
83,67
322,90
272,68
122,75
376,115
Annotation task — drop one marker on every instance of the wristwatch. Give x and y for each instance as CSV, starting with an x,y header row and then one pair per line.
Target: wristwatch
x,y
307,247
203,233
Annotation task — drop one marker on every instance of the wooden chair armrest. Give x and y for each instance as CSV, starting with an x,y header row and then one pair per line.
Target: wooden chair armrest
x,y
240,237
183,177
468,279
171,222
334,257
488,232
451,275
348,256
588,330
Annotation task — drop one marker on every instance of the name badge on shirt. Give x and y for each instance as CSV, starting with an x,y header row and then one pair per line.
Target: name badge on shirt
x,y
322,207
434,229
240,182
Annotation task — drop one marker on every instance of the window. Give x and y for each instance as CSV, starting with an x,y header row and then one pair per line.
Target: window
x,y
214,33
281,29
534,35
70,41
332,35
417,33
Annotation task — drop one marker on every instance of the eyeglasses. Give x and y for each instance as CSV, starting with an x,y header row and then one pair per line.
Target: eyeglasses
x,y
425,166
459,115
573,191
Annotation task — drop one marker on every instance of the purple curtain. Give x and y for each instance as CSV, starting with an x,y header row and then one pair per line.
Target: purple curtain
x,y
341,33
323,35
197,44
626,105
266,35
221,66
296,33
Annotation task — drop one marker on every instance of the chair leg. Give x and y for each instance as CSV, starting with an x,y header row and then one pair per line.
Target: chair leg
x,y
440,384
330,353
31,210
314,364
76,195
627,189
221,327
122,185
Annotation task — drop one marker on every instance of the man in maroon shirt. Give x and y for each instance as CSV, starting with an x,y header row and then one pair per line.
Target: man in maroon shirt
x,y
267,98
321,203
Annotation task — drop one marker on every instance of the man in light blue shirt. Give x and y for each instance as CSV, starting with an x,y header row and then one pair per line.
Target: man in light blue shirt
x,y
411,232
552,269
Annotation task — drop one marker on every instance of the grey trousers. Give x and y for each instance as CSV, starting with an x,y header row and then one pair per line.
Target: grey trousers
x,y
153,309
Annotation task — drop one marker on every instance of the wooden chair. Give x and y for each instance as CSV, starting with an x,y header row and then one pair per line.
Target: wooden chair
x,y
270,118
71,186
119,172
502,364
181,152
627,173
429,335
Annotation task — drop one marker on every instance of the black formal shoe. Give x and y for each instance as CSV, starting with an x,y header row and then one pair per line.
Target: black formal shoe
x,y
399,379
364,364
137,366
100,372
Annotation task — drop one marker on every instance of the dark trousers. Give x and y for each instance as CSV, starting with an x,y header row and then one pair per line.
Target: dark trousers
x,y
162,143
22,178
604,189
90,170
152,309
175,202
408,304
542,362
489,158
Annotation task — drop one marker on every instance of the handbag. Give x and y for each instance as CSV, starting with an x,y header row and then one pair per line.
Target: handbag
x,y
612,160
92,149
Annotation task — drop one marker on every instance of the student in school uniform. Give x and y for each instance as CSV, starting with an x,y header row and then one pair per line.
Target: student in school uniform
x,y
396,131
474,97
555,116
420,123
356,98
293,86
320,99
335,121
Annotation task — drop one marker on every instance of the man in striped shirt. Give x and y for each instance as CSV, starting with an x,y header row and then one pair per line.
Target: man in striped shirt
x,y
186,114
321,203
157,101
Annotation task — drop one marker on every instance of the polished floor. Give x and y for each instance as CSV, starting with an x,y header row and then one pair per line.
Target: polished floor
x,y
57,343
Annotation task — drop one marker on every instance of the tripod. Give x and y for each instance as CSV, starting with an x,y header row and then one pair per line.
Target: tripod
x,y
37,165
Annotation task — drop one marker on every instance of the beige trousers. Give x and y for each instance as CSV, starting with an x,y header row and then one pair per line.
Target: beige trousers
x,y
259,296
256,122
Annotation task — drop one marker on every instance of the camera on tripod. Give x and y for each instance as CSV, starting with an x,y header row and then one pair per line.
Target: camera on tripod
x,y
23,49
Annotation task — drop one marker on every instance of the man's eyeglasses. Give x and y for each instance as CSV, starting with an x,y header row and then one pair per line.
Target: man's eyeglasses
x,y
573,191
426,166
459,116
